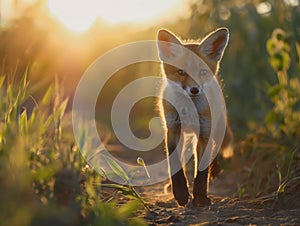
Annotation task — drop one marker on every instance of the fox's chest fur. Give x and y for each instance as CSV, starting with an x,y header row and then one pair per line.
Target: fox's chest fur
x,y
188,117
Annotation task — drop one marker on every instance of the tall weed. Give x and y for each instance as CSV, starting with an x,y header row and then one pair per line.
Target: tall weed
x,y
43,178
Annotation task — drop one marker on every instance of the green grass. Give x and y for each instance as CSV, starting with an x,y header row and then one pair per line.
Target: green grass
x,y
43,178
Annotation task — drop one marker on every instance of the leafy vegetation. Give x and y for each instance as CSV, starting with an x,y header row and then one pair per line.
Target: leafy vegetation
x,y
43,176
273,150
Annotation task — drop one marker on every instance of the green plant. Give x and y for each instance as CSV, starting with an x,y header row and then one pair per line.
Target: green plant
x,y
283,120
43,178
283,183
272,150
128,191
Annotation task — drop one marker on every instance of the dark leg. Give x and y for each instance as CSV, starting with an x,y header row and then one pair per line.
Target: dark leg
x,y
200,198
200,189
179,182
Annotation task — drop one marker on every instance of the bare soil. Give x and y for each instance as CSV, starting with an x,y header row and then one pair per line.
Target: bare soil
x,y
226,209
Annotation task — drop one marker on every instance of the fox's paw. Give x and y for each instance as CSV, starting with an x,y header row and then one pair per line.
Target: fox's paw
x,y
181,194
201,202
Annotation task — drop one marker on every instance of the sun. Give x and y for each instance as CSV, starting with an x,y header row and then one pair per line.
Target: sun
x,y
79,15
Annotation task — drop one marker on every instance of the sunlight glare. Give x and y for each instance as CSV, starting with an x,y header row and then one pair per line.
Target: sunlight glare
x,y
263,8
136,11
79,15
76,15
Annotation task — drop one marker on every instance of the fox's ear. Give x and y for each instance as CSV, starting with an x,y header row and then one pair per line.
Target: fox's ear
x,y
214,44
167,43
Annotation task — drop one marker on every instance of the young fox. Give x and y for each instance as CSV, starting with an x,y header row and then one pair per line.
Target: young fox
x,y
210,51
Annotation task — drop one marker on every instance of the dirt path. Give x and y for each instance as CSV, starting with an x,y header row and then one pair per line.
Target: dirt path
x,y
225,209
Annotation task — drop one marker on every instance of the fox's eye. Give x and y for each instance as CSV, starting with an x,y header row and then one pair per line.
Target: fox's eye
x,y
181,72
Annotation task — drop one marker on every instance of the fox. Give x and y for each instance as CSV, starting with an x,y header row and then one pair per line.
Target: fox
x,y
210,50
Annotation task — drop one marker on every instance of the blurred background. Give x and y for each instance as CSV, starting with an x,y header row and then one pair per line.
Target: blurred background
x,y
62,38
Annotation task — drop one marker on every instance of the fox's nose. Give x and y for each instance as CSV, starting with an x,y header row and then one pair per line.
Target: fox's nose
x,y
194,90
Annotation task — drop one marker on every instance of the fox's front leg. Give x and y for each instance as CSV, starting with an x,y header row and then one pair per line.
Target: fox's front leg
x,y
200,198
179,182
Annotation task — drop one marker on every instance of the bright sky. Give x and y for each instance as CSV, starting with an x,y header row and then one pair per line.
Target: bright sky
x,y
78,15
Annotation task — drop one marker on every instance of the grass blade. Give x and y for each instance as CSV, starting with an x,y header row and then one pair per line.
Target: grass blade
x,y
117,169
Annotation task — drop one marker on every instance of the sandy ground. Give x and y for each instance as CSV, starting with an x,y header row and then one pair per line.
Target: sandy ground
x,y
225,208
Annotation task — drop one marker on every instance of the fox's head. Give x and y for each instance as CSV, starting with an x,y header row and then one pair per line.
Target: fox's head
x,y
189,65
